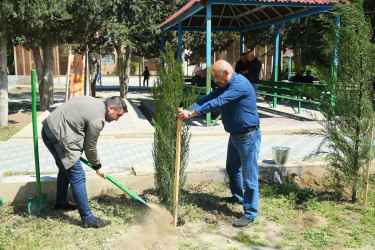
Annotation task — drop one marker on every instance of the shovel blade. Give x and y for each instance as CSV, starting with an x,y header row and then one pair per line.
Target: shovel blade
x,y
37,204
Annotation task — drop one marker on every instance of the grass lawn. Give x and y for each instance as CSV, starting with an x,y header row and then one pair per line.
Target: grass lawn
x,y
290,217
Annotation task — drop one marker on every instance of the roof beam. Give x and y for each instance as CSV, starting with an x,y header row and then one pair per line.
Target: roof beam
x,y
222,12
190,18
235,16
183,16
242,15
273,8
204,29
251,12
286,19
264,13
290,10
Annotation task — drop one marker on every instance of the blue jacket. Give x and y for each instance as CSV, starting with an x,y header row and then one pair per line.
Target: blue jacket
x,y
237,101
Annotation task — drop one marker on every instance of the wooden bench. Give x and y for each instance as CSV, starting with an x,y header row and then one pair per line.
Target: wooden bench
x,y
290,91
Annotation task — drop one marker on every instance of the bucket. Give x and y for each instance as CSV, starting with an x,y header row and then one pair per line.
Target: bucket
x,y
280,154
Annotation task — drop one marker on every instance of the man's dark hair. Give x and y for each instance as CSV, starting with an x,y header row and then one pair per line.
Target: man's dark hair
x,y
117,102
243,54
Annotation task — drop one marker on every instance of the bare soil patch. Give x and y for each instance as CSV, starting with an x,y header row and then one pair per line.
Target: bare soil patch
x,y
204,222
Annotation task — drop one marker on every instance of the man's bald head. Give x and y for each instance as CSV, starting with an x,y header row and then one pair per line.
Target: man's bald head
x,y
222,72
222,65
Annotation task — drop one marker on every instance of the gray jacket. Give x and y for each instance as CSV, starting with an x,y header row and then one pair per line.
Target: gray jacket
x,y
74,127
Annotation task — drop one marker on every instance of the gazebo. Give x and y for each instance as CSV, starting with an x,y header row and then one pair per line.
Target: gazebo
x,y
238,16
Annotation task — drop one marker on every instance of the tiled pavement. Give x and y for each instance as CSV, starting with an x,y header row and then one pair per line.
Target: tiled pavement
x,y
128,142
123,155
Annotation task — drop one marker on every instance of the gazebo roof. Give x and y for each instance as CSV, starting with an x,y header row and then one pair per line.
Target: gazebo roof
x,y
242,15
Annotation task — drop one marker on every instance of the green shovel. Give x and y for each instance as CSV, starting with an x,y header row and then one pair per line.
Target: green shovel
x,y
39,202
117,184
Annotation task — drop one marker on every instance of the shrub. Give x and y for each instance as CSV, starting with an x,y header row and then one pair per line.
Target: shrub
x,y
168,97
347,126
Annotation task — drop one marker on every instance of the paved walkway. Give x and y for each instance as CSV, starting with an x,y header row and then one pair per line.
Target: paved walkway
x,y
125,148
127,143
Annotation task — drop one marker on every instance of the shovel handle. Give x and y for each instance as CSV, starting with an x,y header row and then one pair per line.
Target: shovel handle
x,y
35,132
116,183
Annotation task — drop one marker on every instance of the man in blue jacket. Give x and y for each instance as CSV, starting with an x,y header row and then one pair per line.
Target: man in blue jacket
x,y
237,100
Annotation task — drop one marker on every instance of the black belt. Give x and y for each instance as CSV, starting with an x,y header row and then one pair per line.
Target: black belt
x,y
250,129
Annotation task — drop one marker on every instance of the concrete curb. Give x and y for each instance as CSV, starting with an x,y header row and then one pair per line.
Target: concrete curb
x,y
19,189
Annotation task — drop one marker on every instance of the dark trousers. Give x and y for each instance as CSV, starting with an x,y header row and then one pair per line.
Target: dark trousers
x,y
75,176
145,79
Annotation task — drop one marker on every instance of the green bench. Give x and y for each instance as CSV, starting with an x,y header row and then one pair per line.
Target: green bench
x,y
187,79
290,91
200,93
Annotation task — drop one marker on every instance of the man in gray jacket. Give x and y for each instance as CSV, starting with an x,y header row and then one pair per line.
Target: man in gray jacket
x,y
69,130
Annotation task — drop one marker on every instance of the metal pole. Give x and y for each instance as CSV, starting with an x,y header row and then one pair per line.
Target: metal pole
x,y
276,59
241,44
290,63
208,57
35,131
180,41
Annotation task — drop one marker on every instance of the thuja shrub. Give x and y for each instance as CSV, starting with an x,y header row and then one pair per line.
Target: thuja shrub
x,y
348,111
168,97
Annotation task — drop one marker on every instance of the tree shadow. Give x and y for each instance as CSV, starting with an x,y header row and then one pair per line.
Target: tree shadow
x,y
48,213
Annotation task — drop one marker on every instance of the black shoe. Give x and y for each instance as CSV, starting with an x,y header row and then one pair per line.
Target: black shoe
x,y
67,207
231,199
97,223
242,222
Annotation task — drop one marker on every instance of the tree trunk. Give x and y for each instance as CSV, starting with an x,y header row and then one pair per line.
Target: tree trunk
x,y
297,59
354,195
44,70
3,82
120,66
48,69
94,73
124,86
42,82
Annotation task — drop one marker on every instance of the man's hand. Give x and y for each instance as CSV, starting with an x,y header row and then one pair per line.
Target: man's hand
x,y
101,172
183,114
